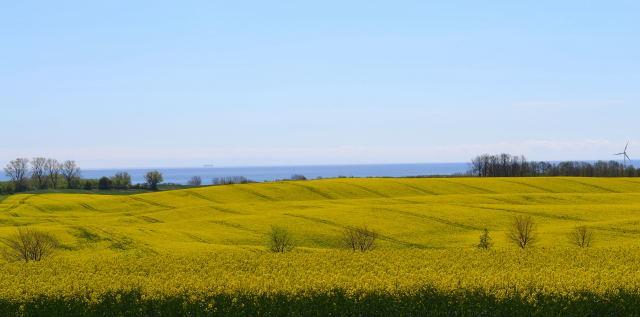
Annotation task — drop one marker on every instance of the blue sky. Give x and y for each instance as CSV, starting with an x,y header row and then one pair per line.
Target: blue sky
x,y
155,83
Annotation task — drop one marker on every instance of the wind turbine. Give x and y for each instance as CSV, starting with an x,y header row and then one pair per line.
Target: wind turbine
x,y
625,157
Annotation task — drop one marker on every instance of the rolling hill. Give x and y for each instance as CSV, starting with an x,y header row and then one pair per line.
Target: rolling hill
x,y
408,213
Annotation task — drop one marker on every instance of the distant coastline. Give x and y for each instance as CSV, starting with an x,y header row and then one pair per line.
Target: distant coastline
x,y
270,173
181,175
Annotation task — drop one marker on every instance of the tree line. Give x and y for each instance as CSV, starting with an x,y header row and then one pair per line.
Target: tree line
x,y
506,165
41,173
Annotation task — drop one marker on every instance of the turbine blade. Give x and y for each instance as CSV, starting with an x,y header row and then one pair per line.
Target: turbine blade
x,y
626,146
627,156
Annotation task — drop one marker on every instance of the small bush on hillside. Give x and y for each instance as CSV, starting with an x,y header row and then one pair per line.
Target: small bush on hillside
x,y
30,245
280,240
522,231
581,236
359,238
485,241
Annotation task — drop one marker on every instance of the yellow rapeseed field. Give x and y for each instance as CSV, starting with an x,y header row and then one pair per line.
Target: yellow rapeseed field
x,y
203,251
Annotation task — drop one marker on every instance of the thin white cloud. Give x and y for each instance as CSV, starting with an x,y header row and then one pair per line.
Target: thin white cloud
x,y
567,105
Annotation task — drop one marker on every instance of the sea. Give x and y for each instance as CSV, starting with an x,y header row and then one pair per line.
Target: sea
x,y
270,173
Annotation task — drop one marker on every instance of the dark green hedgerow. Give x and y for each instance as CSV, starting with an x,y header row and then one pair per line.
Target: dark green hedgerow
x,y
424,303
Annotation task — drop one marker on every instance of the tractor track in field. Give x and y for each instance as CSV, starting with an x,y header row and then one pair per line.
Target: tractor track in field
x,y
337,225
88,207
236,226
314,190
532,213
528,200
39,208
545,190
632,182
225,210
593,186
149,219
482,190
152,203
366,189
433,219
195,237
618,230
253,192
416,188
200,196
17,204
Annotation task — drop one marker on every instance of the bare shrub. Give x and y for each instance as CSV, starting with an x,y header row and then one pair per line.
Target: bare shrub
x,y
359,238
581,236
195,181
485,241
522,231
280,240
30,245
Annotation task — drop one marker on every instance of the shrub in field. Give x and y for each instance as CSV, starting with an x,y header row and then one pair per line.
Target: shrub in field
x,y
522,231
581,236
30,245
485,241
359,238
280,240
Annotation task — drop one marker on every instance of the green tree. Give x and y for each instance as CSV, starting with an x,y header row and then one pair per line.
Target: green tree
x,y
121,180
153,178
105,183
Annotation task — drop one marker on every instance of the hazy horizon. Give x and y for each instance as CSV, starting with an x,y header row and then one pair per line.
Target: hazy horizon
x,y
205,166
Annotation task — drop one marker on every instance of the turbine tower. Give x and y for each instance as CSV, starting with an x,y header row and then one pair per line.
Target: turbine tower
x,y
625,157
